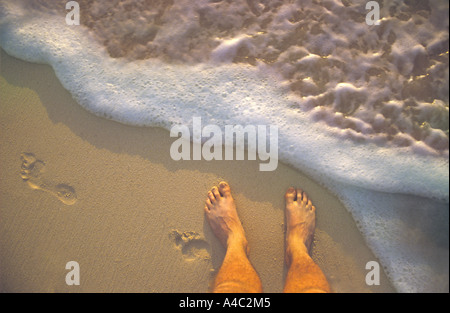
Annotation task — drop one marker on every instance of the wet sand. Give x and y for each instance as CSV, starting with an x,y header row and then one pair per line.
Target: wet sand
x,y
136,222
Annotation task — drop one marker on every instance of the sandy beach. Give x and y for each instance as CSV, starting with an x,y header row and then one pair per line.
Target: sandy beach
x,y
136,223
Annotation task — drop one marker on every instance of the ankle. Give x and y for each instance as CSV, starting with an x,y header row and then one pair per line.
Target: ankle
x,y
298,237
295,249
237,241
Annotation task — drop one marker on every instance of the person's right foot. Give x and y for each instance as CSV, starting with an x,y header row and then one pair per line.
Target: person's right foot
x,y
300,222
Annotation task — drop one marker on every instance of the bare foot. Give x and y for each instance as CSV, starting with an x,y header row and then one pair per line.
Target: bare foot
x,y
300,222
221,213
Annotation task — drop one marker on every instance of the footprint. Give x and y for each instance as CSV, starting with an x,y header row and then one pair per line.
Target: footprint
x,y
31,171
191,244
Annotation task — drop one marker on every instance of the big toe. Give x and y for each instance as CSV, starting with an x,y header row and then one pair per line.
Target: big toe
x,y
290,195
224,189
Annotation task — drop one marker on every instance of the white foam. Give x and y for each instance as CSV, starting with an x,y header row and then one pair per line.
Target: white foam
x,y
227,49
152,93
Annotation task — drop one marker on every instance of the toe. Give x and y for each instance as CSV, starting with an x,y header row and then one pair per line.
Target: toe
x,y
211,197
215,192
291,195
300,195
208,205
224,189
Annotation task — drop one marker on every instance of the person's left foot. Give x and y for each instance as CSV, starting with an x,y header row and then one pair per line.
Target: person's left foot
x,y
221,213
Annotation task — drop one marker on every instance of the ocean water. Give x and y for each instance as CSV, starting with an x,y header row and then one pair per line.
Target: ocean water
x,y
361,108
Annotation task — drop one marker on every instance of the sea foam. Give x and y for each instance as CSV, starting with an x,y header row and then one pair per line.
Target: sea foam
x,y
374,180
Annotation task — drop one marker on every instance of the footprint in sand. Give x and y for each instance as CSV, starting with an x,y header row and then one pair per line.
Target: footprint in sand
x,y
191,244
31,171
